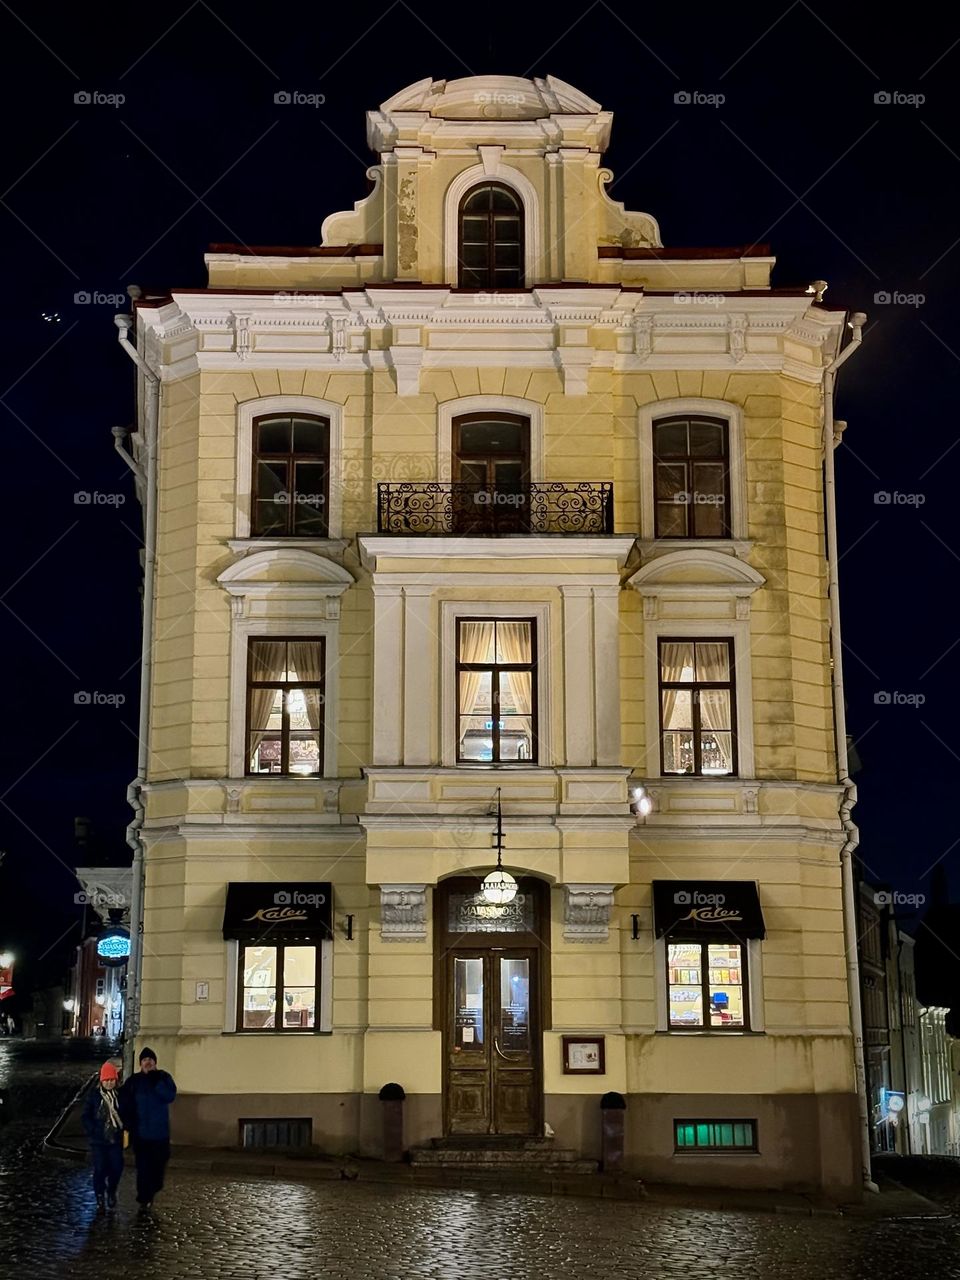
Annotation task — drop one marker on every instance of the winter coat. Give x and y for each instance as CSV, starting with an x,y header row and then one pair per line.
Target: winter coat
x,y
145,1102
94,1121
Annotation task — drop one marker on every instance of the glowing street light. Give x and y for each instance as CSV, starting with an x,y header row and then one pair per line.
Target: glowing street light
x,y
499,887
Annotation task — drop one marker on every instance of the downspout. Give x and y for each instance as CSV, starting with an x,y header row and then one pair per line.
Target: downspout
x,y
151,403
851,834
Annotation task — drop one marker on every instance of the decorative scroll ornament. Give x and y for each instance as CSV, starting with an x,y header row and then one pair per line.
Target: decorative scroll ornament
x,y
586,912
403,912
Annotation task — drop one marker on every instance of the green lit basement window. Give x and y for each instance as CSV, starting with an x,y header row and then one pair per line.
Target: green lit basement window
x,y
715,1135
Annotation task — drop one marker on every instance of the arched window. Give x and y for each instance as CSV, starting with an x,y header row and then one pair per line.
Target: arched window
x,y
291,466
491,238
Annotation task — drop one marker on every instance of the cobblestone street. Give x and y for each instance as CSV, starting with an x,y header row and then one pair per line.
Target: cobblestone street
x,y
248,1228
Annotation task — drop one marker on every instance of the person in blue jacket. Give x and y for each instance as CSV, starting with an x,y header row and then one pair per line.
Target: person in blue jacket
x,y
145,1105
104,1128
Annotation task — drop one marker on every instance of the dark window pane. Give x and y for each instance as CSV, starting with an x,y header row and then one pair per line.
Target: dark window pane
x,y
507,255
670,439
273,435
470,279
507,229
503,200
269,517
477,201
671,483
706,439
671,520
475,255
309,436
475,230
490,437
508,277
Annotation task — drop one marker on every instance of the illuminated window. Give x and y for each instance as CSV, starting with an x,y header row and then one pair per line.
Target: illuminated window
x,y
497,714
706,986
715,1135
279,986
285,706
697,724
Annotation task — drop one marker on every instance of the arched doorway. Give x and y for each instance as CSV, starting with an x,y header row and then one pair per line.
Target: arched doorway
x,y
492,1005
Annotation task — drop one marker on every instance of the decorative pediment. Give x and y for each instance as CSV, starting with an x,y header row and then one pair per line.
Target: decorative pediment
x,y
286,575
698,574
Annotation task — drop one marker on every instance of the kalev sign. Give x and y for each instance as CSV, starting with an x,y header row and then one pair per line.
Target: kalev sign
x,y
278,911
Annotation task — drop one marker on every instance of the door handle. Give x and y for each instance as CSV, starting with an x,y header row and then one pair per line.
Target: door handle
x,y
496,1045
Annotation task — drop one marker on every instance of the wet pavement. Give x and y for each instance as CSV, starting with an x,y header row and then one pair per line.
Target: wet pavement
x,y
245,1228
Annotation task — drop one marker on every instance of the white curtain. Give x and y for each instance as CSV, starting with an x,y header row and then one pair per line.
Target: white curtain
x,y
476,645
306,667
266,663
513,641
713,665
673,659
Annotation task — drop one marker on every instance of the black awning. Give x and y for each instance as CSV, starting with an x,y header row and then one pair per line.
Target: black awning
x,y
707,908
278,911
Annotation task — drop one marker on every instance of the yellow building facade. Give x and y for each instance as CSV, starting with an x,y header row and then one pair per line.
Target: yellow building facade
x,y
492,494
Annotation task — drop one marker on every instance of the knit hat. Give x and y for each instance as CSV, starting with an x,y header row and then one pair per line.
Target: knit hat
x,y
109,1072
147,1052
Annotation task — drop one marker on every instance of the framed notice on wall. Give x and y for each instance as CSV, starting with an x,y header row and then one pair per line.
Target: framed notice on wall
x,y
583,1056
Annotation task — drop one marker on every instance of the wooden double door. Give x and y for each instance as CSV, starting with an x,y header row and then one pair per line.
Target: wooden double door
x,y
492,1039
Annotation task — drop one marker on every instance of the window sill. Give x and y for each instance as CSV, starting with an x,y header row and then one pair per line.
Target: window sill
x,y
653,547
709,1031
305,1031
709,1151
327,546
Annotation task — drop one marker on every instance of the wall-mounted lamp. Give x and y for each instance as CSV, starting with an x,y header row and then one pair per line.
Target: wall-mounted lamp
x,y
635,927
348,928
499,887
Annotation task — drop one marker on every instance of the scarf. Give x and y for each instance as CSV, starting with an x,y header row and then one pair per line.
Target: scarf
x,y
108,1101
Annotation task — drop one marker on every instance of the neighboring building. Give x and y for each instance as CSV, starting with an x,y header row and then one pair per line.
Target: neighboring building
x,y
874,932
492,493
96,994
936,1115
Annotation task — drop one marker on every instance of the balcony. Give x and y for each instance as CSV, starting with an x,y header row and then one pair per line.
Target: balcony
x,y
432,508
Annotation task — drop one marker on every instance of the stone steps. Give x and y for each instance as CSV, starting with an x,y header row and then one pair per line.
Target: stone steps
x,y
500,1155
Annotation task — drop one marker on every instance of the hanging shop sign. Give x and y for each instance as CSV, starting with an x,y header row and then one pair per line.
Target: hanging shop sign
x,y
261,911
892,1103
113,947
711,908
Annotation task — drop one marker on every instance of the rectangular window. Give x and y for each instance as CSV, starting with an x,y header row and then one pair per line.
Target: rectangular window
x,y
691,478
697,708
285,679
707,986
291,459
497,691
715,1135
279,987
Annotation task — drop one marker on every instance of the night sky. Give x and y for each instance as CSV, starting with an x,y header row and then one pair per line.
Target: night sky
x,y
98,195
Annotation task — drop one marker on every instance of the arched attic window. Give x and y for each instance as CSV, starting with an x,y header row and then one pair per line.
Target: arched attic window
x,y
490,238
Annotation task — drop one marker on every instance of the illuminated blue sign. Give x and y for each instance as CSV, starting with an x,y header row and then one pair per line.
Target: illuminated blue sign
x,y
114,947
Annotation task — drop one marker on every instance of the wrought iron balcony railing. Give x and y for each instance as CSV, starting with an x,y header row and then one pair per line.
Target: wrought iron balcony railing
x,y
424,507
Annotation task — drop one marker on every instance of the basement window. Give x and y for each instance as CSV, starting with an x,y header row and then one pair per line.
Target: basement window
x,y
714,1135
258,1135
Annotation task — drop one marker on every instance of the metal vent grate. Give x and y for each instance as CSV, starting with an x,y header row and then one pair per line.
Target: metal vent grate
x,y
257,1134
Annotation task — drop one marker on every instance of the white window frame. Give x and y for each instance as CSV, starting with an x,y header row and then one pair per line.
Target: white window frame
x,y
450,409
655,629
450,611
493,170
247,628
754,960
325,1012
247,411
730,413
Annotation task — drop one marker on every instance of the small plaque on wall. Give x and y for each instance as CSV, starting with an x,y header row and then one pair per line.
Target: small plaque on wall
x,y
583,1056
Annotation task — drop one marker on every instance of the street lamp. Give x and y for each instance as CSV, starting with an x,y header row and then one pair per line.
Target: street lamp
x,y
6,959
499,887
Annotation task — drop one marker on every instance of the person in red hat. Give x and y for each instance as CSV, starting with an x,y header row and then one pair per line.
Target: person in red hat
x,y
104,1128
